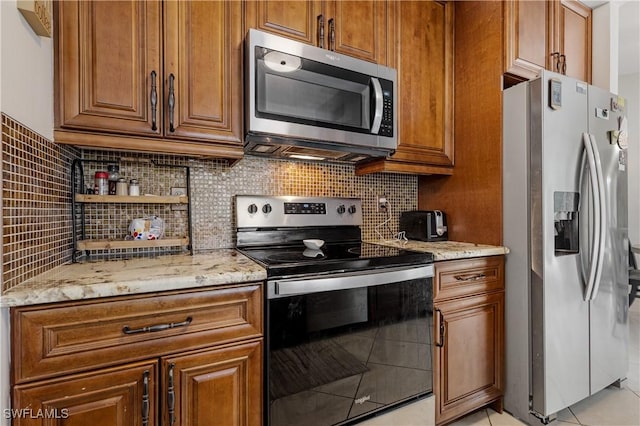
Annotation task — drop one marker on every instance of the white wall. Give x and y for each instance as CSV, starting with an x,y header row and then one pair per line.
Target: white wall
x,y
604,70
26,94
610,47
26,60
629,86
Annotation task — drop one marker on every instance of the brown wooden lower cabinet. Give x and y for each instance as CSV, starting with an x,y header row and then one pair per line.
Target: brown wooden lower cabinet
x,y
211,376
217,387
469,338
108,397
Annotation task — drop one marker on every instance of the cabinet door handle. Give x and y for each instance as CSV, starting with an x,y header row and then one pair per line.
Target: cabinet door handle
x,y
172,101
563,59
321,31
440,333
556,56
154,101
171,396
145,398
156,327
471,277
332,34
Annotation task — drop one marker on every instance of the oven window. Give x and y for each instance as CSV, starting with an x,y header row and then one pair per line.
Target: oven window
x,y
339,355
301,91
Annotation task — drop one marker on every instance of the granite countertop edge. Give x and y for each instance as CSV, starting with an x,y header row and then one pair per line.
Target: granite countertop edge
x,y
96,279
447,250
108,278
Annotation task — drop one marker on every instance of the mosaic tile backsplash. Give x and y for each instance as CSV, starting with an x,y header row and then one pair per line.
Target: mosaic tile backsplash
x,y
36,214
214,184
36,197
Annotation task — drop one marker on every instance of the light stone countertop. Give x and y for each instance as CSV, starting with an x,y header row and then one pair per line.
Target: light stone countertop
x,y
447,250
105,278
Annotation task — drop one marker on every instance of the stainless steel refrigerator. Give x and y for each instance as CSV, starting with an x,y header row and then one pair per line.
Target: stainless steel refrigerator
x,y
565,223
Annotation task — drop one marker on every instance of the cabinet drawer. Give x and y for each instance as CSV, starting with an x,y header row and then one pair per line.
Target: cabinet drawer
x,y
63,338
459,278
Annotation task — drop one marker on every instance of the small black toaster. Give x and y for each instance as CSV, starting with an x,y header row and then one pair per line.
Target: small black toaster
x,y
424,225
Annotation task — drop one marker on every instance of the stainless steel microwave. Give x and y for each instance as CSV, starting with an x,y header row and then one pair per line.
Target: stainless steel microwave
x,y
304,102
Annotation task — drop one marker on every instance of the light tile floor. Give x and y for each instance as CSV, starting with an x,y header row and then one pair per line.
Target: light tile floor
x,y
609,407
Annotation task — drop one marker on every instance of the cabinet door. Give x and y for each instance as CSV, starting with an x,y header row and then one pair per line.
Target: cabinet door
x,y
105,54
219,387
294,19
574,38
359,29
423,57
469,354
528,30
122,396
203,70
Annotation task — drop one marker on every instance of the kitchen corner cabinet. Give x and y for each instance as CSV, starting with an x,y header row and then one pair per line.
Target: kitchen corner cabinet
x,y
553,35
354,28
149,76
422,51
469,336
172,358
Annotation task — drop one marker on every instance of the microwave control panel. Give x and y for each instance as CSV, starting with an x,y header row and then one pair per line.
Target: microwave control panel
x,y
386,128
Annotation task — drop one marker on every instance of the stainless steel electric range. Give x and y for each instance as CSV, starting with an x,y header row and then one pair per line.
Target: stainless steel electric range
x,y
347,323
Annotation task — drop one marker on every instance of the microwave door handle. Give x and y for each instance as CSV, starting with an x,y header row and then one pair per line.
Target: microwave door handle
x,y
377,115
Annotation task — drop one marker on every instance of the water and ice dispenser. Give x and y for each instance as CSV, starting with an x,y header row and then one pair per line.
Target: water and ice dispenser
x,y
566,223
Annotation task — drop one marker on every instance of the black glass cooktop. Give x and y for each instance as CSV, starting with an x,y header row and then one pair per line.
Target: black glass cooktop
x,y
297,260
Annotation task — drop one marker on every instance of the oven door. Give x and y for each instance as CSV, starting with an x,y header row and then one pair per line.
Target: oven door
x,y
340,348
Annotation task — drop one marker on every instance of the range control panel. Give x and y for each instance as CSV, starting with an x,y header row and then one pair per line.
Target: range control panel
x,y
305,208
259,211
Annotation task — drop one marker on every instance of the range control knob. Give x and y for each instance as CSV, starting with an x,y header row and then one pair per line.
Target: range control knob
x,y
340,209
266,208
252,208
352,209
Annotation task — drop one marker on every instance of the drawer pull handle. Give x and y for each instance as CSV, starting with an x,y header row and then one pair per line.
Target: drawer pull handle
x,y
145,399
157,327
473,277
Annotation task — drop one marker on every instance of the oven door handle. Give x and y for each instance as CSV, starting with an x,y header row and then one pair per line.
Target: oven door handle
x,y
280,288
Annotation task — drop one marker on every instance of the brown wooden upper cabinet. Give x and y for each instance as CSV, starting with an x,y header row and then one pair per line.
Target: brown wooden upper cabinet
x,y
553,35
421,49
150,76
354,28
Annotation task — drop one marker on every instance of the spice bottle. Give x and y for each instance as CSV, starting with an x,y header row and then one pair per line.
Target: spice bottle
x,y
114,174
101,183
134,188
121,187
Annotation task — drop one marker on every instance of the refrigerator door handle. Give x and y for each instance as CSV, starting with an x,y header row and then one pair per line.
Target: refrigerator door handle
x,y
601,206
595,247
